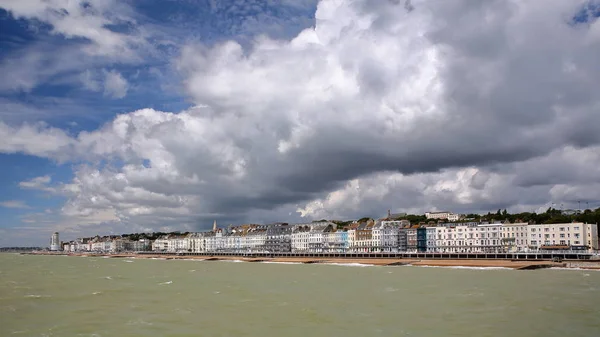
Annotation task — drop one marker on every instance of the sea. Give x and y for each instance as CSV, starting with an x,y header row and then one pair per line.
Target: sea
x,y
95,296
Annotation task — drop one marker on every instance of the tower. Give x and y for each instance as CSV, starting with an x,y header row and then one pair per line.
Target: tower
x,y
55,242
215,226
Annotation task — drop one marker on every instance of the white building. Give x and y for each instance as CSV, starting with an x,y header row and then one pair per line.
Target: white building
x,y
514,237
490,238
55,242
161,244
196,242
576,236
385,237
431,234
437,215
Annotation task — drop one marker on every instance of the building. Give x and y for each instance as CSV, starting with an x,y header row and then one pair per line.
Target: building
x,y
278,238
563,236
411,239
514,237
385,237
438,215
55,242
422,239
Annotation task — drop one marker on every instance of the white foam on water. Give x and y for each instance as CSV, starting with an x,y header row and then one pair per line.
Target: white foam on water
x,y
464,267
36,296
108,277
349,264
96,293
128,261
278,262
164,283
236,261
576,269
192,270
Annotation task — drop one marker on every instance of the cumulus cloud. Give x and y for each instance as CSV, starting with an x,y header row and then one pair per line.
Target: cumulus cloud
x,y
451,105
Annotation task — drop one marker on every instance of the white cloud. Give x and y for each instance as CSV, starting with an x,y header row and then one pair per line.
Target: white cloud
x,y
374,108
38,140
13,204
90,81
38,183
92,43
115,85
82,19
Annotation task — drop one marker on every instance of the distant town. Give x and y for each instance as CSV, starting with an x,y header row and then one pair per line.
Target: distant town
x,y
432,232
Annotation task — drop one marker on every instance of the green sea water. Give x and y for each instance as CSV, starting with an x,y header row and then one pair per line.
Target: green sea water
x,y
87,296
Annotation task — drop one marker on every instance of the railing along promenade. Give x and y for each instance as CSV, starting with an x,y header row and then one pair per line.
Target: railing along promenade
x,y
538,255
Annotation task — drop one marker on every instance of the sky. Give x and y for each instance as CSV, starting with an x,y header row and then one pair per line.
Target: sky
x,y
137,116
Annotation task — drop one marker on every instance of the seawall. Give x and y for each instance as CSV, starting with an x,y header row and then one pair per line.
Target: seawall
x,y
375,261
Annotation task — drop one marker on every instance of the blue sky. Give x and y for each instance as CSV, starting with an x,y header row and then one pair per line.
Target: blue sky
x,y
123,116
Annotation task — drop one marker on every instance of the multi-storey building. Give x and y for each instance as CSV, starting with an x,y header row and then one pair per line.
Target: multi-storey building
x,y
490,238
574,236
255,238
161,244
385,236
196,242
335,242
402,240
430,235
362,237
514,237
411,239
278,238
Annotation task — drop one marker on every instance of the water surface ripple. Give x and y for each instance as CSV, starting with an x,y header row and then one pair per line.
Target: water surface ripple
x,y
79,296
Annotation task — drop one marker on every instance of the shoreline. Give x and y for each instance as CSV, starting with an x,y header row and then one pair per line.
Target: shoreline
x,y
479,263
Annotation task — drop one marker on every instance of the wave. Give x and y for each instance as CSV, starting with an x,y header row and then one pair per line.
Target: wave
x,y
575,268
165,283
36,296
463,267
281,262
353,264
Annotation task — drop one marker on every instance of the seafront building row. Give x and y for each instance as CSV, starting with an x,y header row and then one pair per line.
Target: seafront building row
x,y
371,236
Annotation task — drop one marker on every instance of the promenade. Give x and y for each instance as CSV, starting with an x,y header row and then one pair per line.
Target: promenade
x,y
520,264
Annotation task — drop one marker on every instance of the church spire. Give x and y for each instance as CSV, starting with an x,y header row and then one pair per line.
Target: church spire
x,y
215,226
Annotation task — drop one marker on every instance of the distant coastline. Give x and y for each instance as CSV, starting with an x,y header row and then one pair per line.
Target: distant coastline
x,y
472,263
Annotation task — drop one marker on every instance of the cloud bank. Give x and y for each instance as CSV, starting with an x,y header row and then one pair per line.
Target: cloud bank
x,y
456,105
